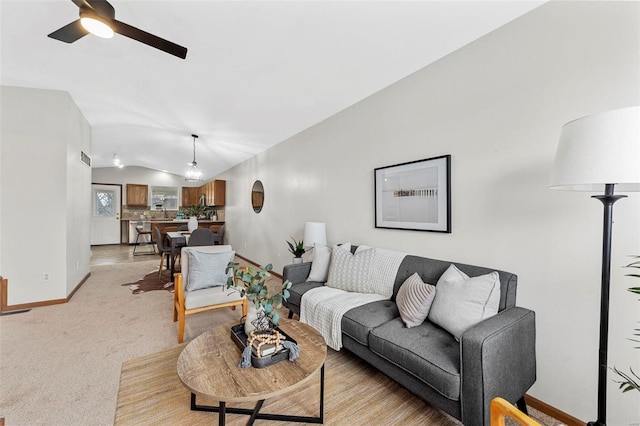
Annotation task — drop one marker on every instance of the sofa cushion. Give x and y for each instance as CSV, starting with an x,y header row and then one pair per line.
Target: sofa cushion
x,y
414,300
320,266
296,292
358,322
426,351
208,269
462,302
350,272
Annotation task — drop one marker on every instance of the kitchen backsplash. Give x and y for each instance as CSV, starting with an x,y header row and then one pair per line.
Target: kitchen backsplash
x,y
146,214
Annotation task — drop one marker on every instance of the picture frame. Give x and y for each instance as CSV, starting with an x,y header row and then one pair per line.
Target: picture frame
x,y
414,196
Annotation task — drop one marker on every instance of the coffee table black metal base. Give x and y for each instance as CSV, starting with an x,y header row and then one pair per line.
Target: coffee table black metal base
x,y
222,409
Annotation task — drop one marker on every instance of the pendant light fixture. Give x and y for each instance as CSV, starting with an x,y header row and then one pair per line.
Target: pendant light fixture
x,y
194,174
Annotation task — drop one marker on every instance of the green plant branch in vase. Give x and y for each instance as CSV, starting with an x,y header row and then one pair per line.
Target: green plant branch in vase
x,y
631,381
252,284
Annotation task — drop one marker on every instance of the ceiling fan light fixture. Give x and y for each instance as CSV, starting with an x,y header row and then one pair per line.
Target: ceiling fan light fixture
x,y
194,174
96,25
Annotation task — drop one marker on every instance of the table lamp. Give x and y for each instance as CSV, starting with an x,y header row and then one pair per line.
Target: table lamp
x,y
315,233
597,153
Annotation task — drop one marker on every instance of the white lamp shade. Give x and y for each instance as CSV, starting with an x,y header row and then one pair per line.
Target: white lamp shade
x,y
315,233
597,150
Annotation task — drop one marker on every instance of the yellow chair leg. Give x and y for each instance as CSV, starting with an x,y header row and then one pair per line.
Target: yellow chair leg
x,y
181,327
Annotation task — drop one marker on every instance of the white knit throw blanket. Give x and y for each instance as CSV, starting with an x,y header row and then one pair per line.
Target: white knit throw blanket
x,y
323,309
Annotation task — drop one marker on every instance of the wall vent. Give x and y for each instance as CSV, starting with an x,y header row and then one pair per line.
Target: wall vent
x,y
85,158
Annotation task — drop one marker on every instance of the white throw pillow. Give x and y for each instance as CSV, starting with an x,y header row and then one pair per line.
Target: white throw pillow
x,y
462,302
207,269
414,300
351,272
320,265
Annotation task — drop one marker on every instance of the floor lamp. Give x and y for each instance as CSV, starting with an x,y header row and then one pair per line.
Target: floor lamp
x,y
600,153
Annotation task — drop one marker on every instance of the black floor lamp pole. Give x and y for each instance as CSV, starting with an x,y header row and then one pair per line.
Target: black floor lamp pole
x,y
607,200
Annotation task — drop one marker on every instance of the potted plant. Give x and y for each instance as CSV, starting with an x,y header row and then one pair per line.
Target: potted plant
x,y
252,284
631,381
297,249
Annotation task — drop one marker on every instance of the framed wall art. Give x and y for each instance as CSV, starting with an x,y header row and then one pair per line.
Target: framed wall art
x,y
415,195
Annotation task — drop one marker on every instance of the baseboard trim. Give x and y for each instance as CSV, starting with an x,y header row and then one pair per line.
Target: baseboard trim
x,y
275,274
77,287
549,410
5,307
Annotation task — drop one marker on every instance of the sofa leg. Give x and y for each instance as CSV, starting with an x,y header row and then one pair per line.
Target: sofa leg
x,y
522,405
290,316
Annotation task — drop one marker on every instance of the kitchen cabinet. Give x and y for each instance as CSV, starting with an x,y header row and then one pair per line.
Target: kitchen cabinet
x,y
137,195
214,192
190,196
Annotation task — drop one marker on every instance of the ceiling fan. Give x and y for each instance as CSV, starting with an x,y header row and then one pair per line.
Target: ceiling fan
x,y
98,17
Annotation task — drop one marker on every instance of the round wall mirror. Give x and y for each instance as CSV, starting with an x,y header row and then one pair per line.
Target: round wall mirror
x,y
257,196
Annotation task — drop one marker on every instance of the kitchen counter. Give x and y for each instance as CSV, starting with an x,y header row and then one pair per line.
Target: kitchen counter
x,y
129,236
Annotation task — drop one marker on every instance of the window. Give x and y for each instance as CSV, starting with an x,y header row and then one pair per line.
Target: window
x,y
164,197
103,203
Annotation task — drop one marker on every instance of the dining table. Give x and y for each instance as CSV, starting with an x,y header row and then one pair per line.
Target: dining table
x,y
177,240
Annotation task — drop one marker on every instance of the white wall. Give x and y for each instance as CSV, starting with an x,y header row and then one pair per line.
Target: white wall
x,y
45,194
497,106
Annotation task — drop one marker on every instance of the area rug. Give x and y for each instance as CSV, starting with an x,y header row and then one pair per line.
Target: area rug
x,y
152,393
151,282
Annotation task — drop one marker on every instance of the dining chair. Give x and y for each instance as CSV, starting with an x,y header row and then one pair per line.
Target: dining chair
x,y
201,237
164,233
162,249
501,408
218,236
144,230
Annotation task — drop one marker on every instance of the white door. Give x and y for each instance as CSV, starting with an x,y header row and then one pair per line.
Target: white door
x,y
105,214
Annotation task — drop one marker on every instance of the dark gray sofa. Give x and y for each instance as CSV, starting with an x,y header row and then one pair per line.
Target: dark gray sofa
x,y
493,358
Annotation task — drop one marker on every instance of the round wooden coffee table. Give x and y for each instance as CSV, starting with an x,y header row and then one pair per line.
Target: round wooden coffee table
x,y
208,365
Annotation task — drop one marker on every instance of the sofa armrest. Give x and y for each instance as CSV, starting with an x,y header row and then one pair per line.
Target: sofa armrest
x,y
498,358
296,273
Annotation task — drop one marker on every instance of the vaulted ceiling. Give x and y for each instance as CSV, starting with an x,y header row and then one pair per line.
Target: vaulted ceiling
x,y
256,72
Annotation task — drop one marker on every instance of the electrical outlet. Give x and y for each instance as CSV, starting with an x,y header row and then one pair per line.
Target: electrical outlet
x,y
46,276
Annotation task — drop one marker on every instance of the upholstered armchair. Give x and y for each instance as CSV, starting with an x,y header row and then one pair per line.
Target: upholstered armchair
x,y
200,285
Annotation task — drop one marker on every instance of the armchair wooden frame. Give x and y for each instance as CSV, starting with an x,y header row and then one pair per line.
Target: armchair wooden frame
x,y
180,312
501,408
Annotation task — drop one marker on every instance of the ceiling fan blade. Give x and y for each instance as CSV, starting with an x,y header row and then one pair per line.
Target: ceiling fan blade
x,y
101,7
81,3
70,32
149,39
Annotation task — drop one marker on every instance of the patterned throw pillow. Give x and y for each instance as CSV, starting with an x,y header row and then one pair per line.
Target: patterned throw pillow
x,y
461,302
414,300
351,272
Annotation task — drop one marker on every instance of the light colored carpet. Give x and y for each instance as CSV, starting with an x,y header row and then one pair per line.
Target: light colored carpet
x,y
60,365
